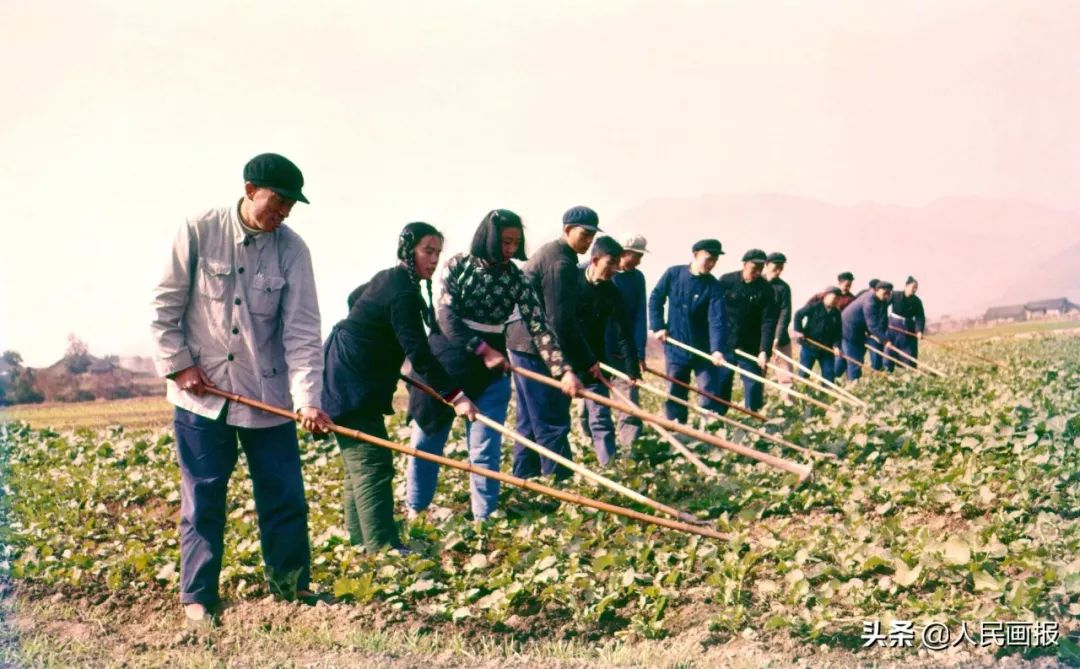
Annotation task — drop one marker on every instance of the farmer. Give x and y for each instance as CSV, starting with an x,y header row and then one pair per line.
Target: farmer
x,y
600,310
908,314
480,290
844,281
236,309
631,284
543,413
820,321
866,315
364,354
695,316
774,267
750,304
870,287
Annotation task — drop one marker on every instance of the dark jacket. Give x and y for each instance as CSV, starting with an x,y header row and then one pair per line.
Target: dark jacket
x,y
695,312
819,323
782,297
751,313
600,306
866,314
553,273
909,311
842,300
631,287
364,352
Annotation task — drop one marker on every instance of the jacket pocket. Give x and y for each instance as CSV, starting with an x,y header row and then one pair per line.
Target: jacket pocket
x,y
265,294
275,366
214,278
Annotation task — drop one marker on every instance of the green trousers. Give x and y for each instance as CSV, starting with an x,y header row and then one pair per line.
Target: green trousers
x,y
369,491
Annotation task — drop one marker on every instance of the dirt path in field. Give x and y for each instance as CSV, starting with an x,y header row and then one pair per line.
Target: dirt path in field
x,y
265,633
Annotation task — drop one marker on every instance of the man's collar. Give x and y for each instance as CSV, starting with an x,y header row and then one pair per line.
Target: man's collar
x,y
244,235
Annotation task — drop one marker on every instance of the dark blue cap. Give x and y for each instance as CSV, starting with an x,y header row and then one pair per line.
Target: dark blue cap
x,y
712,246
755,256
582,217
278,173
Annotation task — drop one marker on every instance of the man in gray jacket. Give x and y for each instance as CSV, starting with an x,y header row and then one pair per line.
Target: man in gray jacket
x,y
236,309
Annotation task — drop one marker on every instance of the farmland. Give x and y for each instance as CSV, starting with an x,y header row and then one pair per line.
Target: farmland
x,y
953,501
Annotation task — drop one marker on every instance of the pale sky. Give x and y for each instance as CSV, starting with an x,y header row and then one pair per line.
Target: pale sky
x,y
121,118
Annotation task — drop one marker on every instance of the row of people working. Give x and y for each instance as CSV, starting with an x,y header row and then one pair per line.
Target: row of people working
x,y
236,309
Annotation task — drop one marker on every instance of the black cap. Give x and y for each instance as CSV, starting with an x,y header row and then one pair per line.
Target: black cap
x,y
277,173
712,246
582,217
606,246
845,276
886,285
776,258
755,256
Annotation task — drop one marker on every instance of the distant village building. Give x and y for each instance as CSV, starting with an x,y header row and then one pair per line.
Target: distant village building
x,y
1040,309
1050,308
1014,312
100,366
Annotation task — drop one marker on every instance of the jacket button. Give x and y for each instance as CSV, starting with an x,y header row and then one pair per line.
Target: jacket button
x,y
229,357
236,301
236,330
240,270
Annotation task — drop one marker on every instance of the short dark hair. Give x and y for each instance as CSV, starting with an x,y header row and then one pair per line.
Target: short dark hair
x,y
606,246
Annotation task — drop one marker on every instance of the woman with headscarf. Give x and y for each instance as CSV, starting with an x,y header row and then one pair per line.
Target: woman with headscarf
x,y
480,291
364,354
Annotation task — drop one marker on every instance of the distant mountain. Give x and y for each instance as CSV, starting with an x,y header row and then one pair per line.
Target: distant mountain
x,y
967,253
1056,276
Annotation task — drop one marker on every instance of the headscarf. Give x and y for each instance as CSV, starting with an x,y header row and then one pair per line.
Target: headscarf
x,y
409,239
487,240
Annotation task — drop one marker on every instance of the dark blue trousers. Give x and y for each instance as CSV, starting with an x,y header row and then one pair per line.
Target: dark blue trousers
x,y
876,361
543,415
808,355
207,453
706,377
905,343
601,426
839,366
754,391
855,348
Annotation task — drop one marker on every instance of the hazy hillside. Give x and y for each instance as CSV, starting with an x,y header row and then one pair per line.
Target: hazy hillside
x,y
967,253
1055,276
